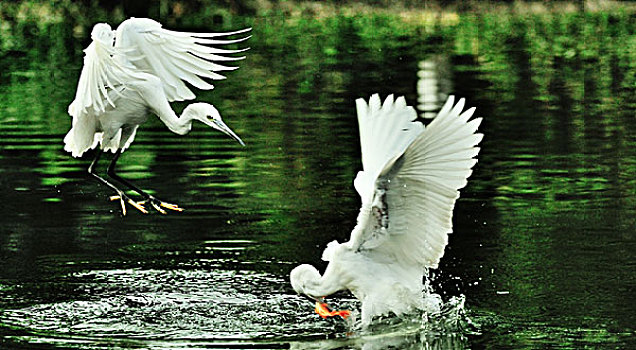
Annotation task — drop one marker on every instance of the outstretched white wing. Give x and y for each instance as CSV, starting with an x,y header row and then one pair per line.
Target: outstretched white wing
x,y
386,130
100,75
406,214
176,57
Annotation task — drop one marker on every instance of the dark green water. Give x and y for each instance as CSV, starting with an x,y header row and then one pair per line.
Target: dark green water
x,y
544,248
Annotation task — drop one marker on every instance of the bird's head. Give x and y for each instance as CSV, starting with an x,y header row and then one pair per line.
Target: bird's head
x,y
303,278
208,115
103,33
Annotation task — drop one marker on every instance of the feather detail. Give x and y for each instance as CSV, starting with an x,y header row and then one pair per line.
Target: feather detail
x,y
411,179
100,75
386,130
175,57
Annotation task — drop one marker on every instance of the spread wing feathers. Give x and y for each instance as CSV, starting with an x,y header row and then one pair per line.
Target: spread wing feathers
x,y
176,57
410,216
101,73
386,130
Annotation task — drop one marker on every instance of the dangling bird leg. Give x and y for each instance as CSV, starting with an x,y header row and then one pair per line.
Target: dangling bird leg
x,y
123,198
155,202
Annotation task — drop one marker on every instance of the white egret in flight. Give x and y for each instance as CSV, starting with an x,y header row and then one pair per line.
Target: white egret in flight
x,y
408,186
137,70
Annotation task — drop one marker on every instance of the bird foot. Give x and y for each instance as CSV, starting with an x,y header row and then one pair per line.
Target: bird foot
x,y
123,198
159,205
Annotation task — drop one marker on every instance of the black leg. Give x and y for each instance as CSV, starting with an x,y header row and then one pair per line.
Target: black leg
x,y
111,172
123,198
91,170
155,202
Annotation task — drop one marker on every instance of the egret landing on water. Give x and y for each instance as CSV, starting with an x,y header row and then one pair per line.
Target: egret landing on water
x,y
135,70
408,186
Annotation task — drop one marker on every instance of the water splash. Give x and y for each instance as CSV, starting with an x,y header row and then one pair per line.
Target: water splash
x,y
214,306
178,304
440,325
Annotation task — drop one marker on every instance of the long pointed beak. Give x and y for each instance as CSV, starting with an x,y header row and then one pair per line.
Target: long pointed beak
x,y
220,125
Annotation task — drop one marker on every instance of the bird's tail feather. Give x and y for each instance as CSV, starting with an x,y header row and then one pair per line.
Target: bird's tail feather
x,y
82,136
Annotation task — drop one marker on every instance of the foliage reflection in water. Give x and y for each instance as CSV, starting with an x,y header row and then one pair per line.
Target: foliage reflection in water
x,y
544,240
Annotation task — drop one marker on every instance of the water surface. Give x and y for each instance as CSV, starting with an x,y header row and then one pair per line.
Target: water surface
x,y
544,241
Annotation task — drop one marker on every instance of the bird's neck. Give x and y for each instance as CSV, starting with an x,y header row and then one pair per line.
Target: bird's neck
x,y
179,125
330,282
314,288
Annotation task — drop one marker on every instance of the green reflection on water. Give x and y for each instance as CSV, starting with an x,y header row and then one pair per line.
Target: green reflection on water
x,y
556,176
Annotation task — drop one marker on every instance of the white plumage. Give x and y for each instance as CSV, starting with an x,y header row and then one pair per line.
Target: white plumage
x,y
408,187
176,57
138,70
